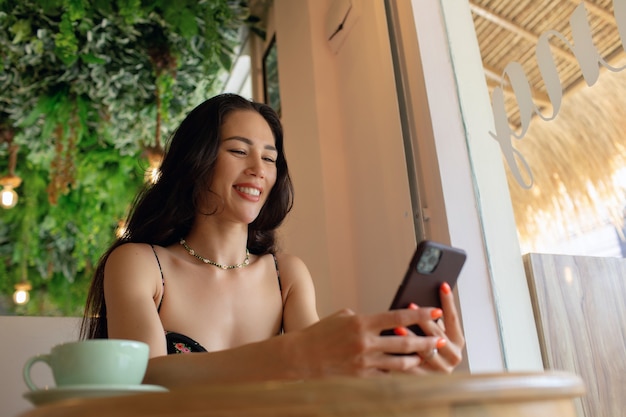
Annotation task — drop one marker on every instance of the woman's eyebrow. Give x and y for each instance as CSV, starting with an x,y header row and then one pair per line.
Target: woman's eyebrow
x,y
249,142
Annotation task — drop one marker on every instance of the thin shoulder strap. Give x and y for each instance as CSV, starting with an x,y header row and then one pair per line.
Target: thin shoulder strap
x,y
280,288
162,278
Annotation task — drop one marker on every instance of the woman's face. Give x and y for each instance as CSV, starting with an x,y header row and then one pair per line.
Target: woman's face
x,y
245,171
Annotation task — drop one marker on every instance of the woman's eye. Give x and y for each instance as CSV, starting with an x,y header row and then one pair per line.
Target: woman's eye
x,y
237,152
269,159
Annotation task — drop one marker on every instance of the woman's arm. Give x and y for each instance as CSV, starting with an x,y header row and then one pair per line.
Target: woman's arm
x,y
341,344
132,286
299,308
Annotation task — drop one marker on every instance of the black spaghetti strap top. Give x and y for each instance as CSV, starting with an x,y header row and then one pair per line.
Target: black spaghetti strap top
x,y
179,343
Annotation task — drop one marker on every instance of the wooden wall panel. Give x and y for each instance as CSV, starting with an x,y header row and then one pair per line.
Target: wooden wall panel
x,y
579,304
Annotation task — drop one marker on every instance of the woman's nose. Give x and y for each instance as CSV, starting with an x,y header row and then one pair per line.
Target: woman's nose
x,y
256,168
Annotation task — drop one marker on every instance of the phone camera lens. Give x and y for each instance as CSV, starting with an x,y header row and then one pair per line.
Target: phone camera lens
x,y
429,261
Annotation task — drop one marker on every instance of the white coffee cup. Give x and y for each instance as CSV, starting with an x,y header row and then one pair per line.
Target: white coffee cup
x,y
111,362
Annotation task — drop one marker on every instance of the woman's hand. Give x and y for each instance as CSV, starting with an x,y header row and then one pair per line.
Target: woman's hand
x,y
449,353
349,344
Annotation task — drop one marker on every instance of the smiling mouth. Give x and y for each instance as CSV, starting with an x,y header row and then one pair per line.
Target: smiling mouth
x,y
249,190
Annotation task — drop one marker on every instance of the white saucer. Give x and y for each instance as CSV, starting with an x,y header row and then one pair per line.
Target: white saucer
x,y
50,395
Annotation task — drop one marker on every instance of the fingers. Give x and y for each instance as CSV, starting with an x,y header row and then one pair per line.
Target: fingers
x,y
443,358
452,325
397,363
370,352
400,355
430,355
447,336
403,318
406,345
399,320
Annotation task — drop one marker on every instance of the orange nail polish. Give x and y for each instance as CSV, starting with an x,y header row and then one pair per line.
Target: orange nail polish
x,y
436,313
413,306
441,343
400,331
445,288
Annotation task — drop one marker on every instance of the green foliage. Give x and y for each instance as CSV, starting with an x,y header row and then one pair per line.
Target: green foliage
x,y
129,10
78,87
65,41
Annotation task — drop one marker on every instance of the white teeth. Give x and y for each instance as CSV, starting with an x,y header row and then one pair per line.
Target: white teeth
x,y
248,190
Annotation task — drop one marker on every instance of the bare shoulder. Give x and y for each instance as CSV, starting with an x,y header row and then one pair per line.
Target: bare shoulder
x,y
133,288
134,250
132,263
299,309
291,265
294,273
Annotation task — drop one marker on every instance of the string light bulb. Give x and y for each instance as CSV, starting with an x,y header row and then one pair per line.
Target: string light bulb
x,y
22,293
152,175
120,232
155,157
8,196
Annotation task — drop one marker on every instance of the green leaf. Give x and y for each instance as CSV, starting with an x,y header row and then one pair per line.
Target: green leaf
x,y
226,60
44,106
92,59
187,24
21,31
75,9
129,10
65,41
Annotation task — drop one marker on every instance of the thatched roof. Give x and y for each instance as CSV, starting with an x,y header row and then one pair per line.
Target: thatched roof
x,y
575,157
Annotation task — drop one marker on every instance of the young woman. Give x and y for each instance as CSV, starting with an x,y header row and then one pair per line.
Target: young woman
x,y
199,272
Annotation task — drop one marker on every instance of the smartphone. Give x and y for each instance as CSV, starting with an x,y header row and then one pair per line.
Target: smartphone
x,y
432,264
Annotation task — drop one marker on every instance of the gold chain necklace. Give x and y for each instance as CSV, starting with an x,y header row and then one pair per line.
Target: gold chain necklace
x,y
193,253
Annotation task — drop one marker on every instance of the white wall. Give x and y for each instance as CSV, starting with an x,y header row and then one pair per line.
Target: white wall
x,y
23,337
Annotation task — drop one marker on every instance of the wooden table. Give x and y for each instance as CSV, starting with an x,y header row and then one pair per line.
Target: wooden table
x,y
541,394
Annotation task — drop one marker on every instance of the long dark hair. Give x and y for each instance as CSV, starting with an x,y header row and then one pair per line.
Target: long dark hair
x,y
164,212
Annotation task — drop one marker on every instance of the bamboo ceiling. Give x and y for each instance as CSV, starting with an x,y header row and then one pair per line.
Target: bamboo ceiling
x,y
575,156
